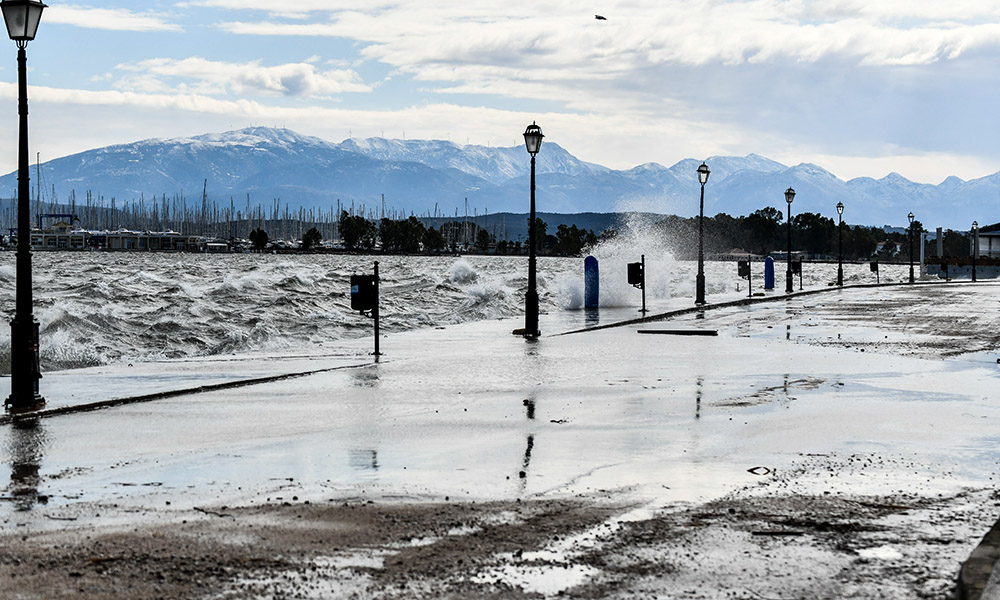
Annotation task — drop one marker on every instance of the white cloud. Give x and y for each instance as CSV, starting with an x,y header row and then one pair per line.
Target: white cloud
x,y
111,19
686,32
290,10
215,77
658,81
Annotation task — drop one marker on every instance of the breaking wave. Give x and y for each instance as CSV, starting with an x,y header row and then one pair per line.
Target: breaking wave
x,y
99,308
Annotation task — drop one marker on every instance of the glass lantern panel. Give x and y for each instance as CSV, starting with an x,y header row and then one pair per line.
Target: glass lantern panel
x,y
34,16
14,17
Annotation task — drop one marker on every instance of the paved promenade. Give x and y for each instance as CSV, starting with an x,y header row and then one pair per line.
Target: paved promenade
x,y
832,445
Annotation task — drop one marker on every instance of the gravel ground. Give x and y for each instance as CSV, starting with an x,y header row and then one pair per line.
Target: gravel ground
x,y
751,544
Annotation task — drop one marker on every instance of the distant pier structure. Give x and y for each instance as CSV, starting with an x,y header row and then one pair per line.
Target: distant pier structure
x,y
62,235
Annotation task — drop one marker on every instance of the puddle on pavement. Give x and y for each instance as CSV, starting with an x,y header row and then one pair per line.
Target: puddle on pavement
x,y
779,393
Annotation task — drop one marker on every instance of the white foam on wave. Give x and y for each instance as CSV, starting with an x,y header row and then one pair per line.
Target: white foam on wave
x,y
125,307
462,272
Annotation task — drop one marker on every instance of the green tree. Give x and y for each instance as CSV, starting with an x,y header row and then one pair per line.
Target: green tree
x,y
540,238
570,241
433,241
483,240
311,238
958,244
859,242
357,232
815,232
258,239
761,230
388,234
411,234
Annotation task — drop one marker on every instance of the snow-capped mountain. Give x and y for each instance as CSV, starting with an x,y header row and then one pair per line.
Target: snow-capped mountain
x,y
437,177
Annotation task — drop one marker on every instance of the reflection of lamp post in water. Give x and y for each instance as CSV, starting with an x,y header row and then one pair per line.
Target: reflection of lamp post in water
x,y
533,141
910,217
25,447
699,298
22,17
840,243
789,196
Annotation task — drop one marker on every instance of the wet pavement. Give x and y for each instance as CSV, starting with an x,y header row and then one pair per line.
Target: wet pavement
x,y
854,394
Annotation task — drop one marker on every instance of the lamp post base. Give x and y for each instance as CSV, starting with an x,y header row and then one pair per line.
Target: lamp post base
x,y
531,314
789,283
24,370
699,285
840,276
911,274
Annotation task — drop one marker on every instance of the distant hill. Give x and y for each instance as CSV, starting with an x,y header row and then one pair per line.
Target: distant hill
x,y
434,177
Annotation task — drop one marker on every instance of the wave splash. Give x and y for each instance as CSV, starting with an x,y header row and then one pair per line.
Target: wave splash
x,y
103,308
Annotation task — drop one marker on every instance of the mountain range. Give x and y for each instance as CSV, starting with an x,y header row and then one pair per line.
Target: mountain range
x,y
428,177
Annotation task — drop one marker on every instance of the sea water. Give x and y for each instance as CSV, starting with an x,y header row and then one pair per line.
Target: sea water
x,y
98,308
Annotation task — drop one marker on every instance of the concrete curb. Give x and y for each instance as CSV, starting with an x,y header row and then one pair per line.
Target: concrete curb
x,y
756,300
90,406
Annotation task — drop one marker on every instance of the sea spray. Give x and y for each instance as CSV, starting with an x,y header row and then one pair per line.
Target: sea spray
x,y
637,235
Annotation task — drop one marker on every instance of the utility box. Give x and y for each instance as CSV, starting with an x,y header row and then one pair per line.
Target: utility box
x,y
796,267
364,296
743,268
635,274
873,266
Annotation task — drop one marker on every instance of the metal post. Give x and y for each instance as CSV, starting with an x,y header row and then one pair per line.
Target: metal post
x,y
643,311
700,279
24,367
788,273
840,250
975,249
531,297
911,252
375,311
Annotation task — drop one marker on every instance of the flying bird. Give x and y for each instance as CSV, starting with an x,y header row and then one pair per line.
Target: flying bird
x,y
600,18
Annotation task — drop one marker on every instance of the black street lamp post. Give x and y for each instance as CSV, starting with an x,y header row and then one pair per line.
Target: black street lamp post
x,y
21,18
789,196
840,243
975,247
703,173
910,217
533,141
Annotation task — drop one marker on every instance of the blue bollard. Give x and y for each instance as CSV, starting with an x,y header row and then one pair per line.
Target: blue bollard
x,y
592,283
768,273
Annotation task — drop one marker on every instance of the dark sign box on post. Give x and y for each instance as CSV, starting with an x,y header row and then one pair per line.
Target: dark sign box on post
x,y
635,273
363,293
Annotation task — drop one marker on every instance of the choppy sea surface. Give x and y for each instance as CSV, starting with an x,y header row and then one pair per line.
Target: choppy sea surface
x,y
98,308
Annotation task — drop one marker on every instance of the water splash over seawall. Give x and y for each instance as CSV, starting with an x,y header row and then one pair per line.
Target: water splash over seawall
x,y
637,236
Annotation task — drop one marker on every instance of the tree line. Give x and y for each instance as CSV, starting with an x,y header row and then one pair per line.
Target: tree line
x,y
411,236
766,230
762,232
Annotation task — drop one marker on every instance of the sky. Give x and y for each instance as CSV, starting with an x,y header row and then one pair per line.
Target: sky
x,y
857,87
